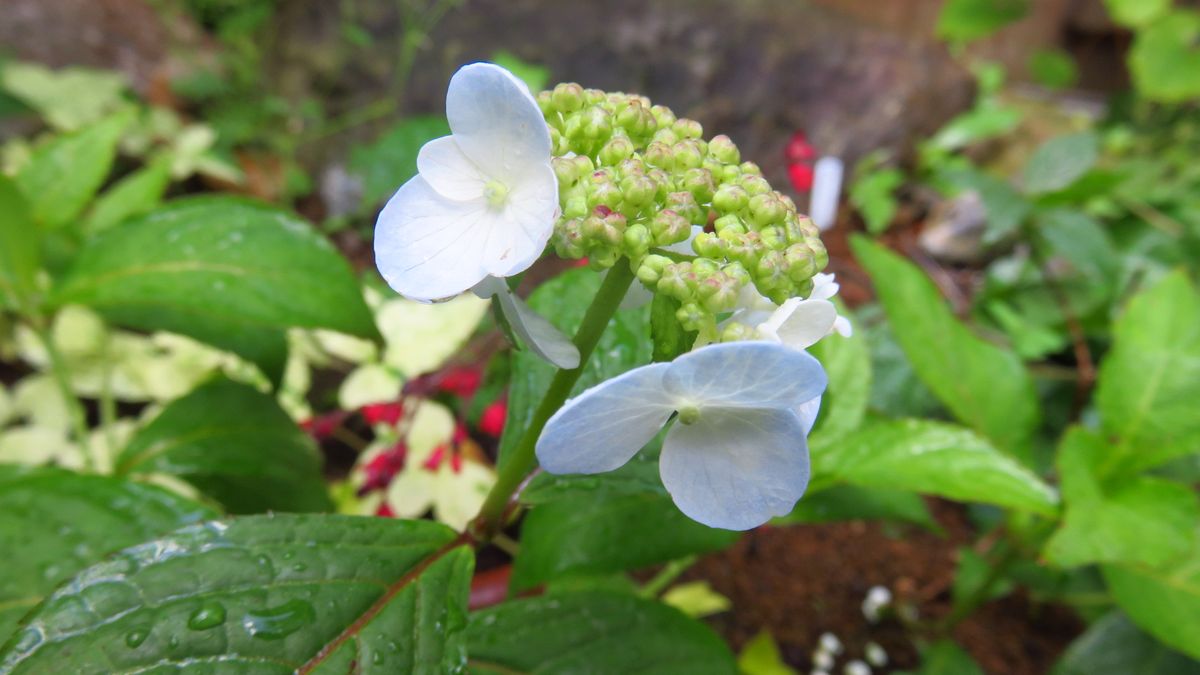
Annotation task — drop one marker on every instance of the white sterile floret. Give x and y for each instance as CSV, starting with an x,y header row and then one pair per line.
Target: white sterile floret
x,y
538,334
799,322
485,198
737,454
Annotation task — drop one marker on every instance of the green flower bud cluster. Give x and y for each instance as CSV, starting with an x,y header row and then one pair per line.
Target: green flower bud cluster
x,y
634,179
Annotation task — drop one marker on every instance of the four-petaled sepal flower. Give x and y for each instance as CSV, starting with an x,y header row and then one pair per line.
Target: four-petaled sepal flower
x,y
485,200
535,331
737,454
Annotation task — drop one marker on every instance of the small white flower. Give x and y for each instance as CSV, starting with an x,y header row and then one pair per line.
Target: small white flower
x,y
822,659
856,667
875,654
485,199
877,599
737,455
830,643
799,322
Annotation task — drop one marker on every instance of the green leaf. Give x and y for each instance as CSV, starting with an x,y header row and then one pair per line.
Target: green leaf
x,y
533,75
1113,645
931,458
563,301
967,20
985,386
670,338
873,194
592,632
261,594
1165,60
761,656
64,174
19,252
972,573
1005,207
390,161
946,658
230,272
68,98
607,533
237,445
135,194
1163,601
1150,381
1060,162
847,362
1053,68
850,502
54,523
1133,518
1136,13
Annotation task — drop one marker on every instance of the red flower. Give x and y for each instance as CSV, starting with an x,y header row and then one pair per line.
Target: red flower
x,y
382,468
462,381
491,422
322,426
801,176
435,459
798,149
385,511
383,413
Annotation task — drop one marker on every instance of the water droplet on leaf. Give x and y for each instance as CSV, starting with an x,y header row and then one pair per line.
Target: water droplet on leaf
x,y
276,623
135,637
210,615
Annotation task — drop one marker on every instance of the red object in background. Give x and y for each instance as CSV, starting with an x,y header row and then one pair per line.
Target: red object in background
x,y
491,422
800,155
435,459
462,381
321,426
801,176
385,511
490,587
383,413
382,468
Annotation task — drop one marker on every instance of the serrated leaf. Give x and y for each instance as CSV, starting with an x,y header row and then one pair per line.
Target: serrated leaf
x,y
563,301
19,253
64,174
54,523
985,386
261,594
234,443
230,272
1113,645
1136,519
1060,162
670,338
931,458
592,632
1150,381
1164,601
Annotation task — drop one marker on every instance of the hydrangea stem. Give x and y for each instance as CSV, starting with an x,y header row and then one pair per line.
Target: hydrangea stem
x,y
520,463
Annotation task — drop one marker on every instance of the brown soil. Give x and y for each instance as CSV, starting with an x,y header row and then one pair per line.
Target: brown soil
x,y
801,581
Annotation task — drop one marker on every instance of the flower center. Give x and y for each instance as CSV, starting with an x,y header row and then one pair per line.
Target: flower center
x,y
496,193
689,414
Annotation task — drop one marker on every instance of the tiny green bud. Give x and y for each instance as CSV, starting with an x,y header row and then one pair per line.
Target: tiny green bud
x,y
750,169
669,227
708,245
663,116
674,281
566,170
700,183
735,332
722,148
773,237
737,272
755,185
730,198
666,135
636,240
638,191
704,268
820,255
687,128
730,224
689,414
801,265
658,154
691,316
594,96
545,103
576,204
584,165
766,209
596,123
686,155
617,148
684,203
568,97
607,194
771,269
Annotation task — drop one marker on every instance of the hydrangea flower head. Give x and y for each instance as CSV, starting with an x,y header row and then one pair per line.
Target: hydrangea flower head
x,y
485,199
737,453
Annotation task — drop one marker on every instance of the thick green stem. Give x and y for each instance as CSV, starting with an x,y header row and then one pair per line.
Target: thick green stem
x,y
520,463
666,576
62,376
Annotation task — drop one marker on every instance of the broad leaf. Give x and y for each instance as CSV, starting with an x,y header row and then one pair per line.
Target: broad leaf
x,y
261,594
1150,381
564,300
54,523
1060,162
233,443
18,246
1164,59
931,458
64,174
1163,601
599,532
68,98
1136,519
226,271
847,362
135,194
593,632
983,385
850,502
1005,207
1136,13
946,658
1115,646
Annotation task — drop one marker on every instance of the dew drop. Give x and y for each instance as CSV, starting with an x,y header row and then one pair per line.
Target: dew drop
x,y
276,623
135,637
299,567
173,641
210,615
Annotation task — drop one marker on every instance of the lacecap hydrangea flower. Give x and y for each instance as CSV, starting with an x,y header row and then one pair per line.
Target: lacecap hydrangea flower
x,y
736,454
481,207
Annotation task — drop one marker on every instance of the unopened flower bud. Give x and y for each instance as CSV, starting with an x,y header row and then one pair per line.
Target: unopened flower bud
x,y
651,268
635,118
686,155
568,97
687,128
669,227
703,268
700,183
690,316
801,264
730,198
737,272
617,148
659,154
674,281
754,184
684,203
545,101
820,255
566,170
606,193
709,245
638,191
723,149
766,209
663,116
719,293
750,169
729,224
637,240
773,237
771,269
666,136
734,332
